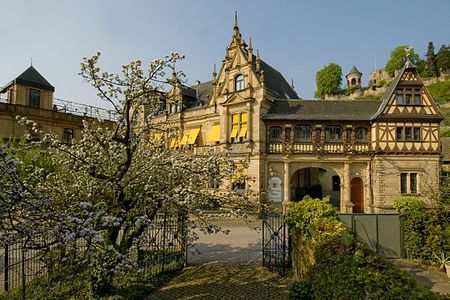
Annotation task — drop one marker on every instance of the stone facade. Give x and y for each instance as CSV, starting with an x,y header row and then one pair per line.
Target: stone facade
x,y
362,154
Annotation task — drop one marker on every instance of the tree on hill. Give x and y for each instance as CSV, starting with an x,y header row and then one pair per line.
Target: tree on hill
x,y
443,58
398,59
430,65
328,80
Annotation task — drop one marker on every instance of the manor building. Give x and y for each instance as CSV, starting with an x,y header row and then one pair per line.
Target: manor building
x,y
363,154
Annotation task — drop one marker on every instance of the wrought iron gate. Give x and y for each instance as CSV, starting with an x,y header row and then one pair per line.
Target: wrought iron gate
x,y
275,242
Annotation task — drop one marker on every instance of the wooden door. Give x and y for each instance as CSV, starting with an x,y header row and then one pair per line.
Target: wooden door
x,y
357,194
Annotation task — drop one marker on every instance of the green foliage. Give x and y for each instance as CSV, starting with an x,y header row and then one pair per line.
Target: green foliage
x,y
331,264
440,91
430,65
76,287
426,232
301,290
443,58
398,59
328,80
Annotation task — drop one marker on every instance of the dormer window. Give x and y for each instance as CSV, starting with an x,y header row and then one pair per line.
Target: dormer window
x,y
409,96
239,83
34,99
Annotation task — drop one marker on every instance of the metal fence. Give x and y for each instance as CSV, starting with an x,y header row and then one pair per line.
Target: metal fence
x,y
163,249
381,232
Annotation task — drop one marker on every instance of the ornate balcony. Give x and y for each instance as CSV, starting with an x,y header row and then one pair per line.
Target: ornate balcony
x,y
317,148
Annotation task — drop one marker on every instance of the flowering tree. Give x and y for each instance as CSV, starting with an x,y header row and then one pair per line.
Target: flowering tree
x,y
90,212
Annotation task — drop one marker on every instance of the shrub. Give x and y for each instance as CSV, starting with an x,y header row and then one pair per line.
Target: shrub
x,y
426,231
331,264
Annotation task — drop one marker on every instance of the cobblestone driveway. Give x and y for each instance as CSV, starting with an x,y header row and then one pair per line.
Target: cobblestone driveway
x,y
225,281
228,267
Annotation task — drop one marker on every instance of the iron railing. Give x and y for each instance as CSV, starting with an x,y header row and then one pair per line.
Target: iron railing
x,y
78,109
163,249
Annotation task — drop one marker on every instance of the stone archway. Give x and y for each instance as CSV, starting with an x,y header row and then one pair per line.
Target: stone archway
x,y
357,194
316,182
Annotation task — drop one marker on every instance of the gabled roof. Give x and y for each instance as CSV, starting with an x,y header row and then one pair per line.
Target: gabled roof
x,y
31,77
275,82
393,86
296,109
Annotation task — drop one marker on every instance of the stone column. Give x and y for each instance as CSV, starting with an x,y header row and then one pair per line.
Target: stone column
x,y
224,130
249,122
286,188
347,192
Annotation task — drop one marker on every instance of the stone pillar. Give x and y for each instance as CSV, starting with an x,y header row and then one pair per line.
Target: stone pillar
x,y
249,122
347,192
286,188
224,130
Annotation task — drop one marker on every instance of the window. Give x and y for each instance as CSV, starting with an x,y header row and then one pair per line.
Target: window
x,y
136,118
239,83
408,183
68,136
336,182
238,127
361,135
409,96
408,134
303,134
35,98
275,134
333,134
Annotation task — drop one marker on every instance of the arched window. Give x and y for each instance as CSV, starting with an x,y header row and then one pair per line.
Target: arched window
x,y
275,134
239,82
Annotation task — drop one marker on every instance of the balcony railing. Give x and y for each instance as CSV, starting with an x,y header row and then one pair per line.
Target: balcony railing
x,y
317,148
78,109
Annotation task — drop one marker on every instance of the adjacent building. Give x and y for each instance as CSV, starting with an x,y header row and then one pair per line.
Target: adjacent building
x,y
30,95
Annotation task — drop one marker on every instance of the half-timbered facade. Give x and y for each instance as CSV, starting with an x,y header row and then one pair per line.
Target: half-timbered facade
x,y
362,154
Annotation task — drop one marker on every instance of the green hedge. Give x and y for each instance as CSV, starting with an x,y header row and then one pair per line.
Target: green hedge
x,y
329,263
426,232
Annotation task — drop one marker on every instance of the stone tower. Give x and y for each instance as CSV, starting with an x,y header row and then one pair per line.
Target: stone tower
x,y
353,78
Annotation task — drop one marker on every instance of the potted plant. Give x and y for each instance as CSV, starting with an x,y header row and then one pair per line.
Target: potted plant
x,y
444,263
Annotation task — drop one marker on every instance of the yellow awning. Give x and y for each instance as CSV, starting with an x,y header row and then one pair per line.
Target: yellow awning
x,y
243,131
185,138
235,119
173,143
213,134
234,131
244,118
158,136
193,134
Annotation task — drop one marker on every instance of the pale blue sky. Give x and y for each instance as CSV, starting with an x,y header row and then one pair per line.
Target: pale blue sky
x,y
297,38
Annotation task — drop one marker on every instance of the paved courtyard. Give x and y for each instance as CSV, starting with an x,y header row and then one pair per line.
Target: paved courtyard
x,y
226,266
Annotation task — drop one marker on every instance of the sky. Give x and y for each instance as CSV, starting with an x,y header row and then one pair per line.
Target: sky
x,y
297,38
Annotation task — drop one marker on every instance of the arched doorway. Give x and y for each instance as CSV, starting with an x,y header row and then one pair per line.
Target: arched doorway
x,y
317,183
357,194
